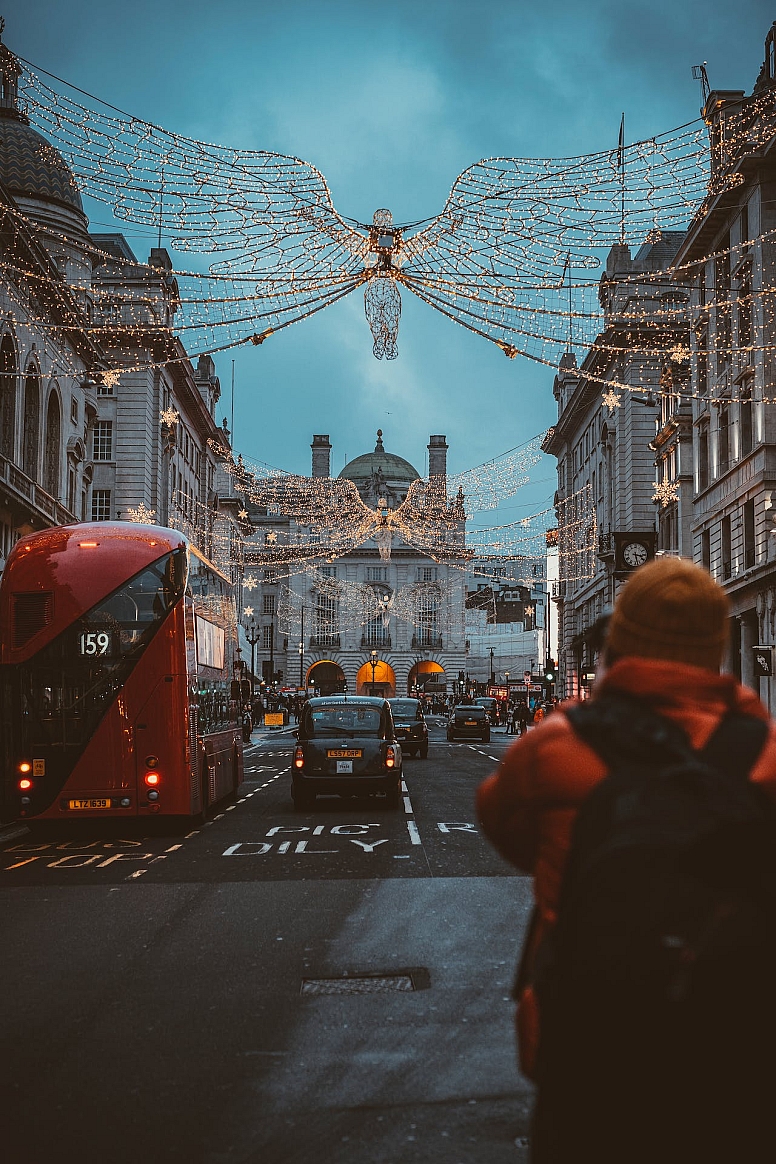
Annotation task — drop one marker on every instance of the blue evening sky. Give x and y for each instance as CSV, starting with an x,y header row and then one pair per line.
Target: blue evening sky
x,y
391,101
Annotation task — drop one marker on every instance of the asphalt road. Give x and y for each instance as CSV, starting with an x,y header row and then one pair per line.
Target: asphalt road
x,y
274,986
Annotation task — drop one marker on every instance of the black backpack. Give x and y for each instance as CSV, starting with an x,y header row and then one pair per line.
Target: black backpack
x,y
656,987
669,897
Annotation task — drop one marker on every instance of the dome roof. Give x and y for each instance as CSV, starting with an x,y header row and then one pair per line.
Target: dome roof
x,y
32,168
392,467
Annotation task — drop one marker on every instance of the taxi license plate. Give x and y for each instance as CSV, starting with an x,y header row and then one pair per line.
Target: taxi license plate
x,y
344,753
92,802
470,723
344,766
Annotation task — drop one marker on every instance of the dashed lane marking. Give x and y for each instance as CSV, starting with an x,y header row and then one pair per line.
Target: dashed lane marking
x,y
408,805
412,829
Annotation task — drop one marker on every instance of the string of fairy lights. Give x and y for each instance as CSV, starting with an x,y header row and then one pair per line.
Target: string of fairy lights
x,y
503,258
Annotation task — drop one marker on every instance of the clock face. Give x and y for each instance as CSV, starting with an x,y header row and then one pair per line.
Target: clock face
x,y
635,554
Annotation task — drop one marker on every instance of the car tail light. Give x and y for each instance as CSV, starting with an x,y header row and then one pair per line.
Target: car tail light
x,y
390,757
152,779
25,785
299,758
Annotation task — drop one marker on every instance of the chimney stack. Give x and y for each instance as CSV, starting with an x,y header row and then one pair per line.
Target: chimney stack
x,y
321,447
437,456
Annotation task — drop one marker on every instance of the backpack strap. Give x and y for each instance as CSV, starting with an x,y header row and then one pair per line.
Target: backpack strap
x,y
622,729
735,745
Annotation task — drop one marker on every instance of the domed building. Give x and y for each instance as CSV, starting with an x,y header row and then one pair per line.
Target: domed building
x,y
75,446
417,640
46,400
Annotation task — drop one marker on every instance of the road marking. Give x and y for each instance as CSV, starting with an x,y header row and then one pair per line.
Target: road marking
x,y
19,864
412,829
173,848
407,805
137,873
195,833
404,787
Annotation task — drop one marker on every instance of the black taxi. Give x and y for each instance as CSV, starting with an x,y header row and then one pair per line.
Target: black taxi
x,y
410,725
346,745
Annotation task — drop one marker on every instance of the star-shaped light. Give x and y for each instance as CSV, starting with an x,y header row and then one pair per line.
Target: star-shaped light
x,y
271,537
242,513
611,399
250,582
169,416
680,354
110,378
248,611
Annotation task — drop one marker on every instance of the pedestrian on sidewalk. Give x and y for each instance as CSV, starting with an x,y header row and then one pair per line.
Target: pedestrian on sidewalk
x,y
665,1057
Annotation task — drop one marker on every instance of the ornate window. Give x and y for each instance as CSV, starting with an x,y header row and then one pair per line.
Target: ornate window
x,y
103,441
51,468
8,373
31,423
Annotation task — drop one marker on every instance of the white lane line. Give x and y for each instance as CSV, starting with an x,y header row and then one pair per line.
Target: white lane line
x,y
407,806
412,829
173,848
195,833
231,808
136,874
218,817
404,787
494,758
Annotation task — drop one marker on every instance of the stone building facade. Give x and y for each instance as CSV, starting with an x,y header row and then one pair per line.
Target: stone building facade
x,y
606,447
307,621
78,441
728,261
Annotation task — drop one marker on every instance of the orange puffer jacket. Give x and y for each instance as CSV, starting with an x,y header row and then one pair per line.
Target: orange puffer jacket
x,y
527,808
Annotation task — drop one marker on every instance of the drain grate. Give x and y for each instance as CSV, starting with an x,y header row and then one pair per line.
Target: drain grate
x,y
404,981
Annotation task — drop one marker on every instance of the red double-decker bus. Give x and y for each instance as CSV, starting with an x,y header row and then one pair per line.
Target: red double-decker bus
x,y
117,650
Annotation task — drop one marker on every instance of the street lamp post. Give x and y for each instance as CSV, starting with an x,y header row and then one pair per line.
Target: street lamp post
x,y
252,635
301,653
492,672
373,664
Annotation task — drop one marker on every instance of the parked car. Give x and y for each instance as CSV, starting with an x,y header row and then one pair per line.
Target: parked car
x,y
410,725
490,703
468,721
346,745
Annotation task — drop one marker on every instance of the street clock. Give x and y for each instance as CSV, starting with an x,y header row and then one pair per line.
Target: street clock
x,y
632,550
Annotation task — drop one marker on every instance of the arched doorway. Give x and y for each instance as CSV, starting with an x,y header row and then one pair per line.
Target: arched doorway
x,y
383,683
422,674
326,677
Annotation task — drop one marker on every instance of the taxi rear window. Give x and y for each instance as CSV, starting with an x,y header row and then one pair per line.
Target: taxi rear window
x,y
339,718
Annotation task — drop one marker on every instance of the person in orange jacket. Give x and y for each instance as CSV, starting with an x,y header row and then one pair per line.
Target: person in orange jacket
x,y
665,644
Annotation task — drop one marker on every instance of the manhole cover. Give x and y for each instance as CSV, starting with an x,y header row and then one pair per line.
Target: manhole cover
x,y
404,981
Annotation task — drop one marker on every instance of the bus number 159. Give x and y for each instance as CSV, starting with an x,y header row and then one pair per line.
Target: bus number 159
x,y
95,643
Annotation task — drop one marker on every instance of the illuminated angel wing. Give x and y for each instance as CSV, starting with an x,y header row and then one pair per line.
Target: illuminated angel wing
x,y
281,250
514,230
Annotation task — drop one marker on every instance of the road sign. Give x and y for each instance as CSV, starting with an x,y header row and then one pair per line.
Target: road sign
x,y
273,719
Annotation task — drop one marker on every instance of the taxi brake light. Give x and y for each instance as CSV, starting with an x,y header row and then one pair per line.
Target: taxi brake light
x,y
25,766
390,757
152,779
25,784
299,758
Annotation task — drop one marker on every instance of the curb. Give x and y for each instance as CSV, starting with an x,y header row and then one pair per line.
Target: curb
x,y
12,831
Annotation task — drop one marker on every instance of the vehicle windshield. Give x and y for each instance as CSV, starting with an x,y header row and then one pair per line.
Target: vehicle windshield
x,y
405,709
470,712
343,719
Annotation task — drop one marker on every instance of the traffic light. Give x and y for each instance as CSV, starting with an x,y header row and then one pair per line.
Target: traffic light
x,y
550,673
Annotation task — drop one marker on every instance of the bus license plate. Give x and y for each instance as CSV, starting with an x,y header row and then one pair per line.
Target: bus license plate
x,y
344,766
344,753
91,803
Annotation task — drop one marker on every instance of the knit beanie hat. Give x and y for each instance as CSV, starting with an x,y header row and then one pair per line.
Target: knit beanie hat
x,y
670,609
